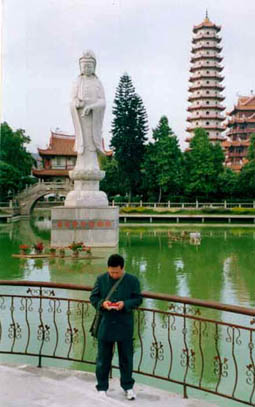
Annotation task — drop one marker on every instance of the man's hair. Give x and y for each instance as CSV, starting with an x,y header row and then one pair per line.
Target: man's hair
x,y
115,260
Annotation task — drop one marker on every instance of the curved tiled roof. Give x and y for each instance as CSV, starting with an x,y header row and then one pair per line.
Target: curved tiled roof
x,y
60,144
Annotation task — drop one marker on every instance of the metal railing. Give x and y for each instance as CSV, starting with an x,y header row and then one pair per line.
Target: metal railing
x,y
197,344
185,205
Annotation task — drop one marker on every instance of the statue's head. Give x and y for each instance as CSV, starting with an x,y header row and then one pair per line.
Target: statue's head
x,y
88,63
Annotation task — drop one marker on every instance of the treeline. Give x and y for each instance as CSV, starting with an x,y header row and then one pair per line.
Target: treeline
x,y
15,161
159,170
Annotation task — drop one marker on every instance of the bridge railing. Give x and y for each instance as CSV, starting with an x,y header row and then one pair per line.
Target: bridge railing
x,y
203,345
185,205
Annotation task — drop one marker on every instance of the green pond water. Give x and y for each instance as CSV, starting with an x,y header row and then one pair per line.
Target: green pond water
x,y
219,266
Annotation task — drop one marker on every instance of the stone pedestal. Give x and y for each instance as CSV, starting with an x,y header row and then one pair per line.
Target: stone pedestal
x,y
95,227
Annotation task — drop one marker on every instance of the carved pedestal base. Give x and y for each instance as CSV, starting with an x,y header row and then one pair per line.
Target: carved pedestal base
x,y
95,227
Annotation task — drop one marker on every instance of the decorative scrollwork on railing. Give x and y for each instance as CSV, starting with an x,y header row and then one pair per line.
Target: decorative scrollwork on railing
x,y
188,358
42,292
26,304
184,309
157,351
220,366
164,324
250,373
43,333
14,331
72,335
54,306
2,303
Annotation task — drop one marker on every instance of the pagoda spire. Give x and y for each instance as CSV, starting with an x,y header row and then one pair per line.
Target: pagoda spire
x,y
205,90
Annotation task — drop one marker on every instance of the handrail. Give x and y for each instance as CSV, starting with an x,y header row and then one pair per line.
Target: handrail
x,y
145,294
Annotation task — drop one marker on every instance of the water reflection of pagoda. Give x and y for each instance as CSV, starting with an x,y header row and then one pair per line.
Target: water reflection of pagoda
x,y
241,125
206,89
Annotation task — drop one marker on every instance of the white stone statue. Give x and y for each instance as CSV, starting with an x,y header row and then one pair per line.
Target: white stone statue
x,y
87,109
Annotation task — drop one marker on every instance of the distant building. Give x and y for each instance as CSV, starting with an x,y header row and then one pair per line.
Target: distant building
x,y
206,89
56,160
240,125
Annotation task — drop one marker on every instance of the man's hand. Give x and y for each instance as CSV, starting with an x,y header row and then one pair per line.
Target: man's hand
x,y
106,305
119,305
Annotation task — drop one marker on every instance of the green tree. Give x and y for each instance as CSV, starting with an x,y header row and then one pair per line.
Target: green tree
x,y
111,183
228,183
163,161
129,129
16,161
203,165
247,173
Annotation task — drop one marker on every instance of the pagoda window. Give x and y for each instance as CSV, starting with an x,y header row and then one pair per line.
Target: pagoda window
x,y
207,123
207,81
207,112
197,123
207,72
207,92
207,102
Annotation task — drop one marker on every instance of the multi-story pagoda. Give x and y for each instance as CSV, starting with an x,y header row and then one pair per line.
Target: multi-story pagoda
x,y
57,159
240,125
206,88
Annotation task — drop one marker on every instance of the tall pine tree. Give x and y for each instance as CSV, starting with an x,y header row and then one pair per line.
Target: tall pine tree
x,y
129,129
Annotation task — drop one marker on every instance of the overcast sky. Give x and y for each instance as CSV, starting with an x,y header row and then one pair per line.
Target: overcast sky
x,y
149,39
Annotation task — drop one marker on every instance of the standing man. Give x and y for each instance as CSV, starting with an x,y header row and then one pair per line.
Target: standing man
x,y
117,323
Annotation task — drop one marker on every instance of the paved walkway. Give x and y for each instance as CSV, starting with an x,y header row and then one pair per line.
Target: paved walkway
x,y
23,386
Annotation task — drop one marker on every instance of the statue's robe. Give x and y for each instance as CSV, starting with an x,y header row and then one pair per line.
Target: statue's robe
x,y
88,128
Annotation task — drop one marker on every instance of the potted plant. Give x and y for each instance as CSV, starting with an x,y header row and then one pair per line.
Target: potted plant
x,y
52,251
87,249
62,252
24,249
38,247
76,247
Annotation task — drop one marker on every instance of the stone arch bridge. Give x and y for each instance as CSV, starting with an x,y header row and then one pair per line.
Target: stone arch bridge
x,y
29,196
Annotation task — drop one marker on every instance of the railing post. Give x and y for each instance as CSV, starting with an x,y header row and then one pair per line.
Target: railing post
x,y
253,204
169,204
141,203
225,204
196,204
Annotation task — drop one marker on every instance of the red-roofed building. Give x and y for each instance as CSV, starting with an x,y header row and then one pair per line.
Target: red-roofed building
x,y
240,125
205,91
57,159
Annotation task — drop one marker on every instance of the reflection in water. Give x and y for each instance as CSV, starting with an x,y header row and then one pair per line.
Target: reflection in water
x,y
208,263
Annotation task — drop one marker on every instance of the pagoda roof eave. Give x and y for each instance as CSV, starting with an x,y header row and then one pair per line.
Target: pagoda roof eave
x,y
206,24
46,152
50,172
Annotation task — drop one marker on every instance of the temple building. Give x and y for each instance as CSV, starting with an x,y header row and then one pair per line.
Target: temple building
x,y
206,109
57,159
240,125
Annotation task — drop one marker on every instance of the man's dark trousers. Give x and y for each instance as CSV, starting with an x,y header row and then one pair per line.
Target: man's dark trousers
x,y
104,359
